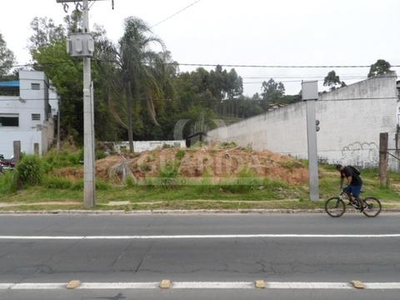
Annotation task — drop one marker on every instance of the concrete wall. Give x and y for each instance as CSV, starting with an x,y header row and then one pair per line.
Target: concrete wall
x,y
351,119
140,146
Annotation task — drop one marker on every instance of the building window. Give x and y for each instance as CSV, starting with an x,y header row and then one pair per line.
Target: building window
x,y
35,117
35,86
9,120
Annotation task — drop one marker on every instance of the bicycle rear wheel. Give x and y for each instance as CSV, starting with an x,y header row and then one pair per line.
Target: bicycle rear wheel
x,y
335,207
371,207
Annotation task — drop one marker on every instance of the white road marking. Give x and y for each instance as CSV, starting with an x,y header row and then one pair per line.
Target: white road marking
x,y
5,286
198,285
38,286
382,285
213,285
205,236
309,285
119,285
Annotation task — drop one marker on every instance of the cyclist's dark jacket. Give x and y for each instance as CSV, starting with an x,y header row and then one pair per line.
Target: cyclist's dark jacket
x,y
356,179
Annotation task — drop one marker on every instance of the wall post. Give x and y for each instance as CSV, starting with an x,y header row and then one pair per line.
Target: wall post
x,y
310,95
383,158
17,151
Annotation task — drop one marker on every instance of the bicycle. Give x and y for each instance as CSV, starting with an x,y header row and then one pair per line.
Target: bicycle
x,y
336,206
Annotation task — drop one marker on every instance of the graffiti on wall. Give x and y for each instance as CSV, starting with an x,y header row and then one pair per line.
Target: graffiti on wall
x,y
361,154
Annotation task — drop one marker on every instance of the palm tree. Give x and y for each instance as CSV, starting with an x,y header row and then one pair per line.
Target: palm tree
x,y
139,73
142,73
135,57
163,70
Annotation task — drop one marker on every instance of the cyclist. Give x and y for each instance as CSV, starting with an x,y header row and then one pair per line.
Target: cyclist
x,y
354,182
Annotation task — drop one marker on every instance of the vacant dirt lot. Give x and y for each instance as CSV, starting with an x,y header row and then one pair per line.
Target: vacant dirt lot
x,y
214,162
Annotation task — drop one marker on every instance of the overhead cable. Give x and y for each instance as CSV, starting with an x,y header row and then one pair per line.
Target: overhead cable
x,y
173,15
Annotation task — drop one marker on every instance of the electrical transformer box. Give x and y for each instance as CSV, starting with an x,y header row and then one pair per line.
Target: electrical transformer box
x,y
80,45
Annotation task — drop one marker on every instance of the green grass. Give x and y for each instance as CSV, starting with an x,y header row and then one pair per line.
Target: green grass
x,y
169,191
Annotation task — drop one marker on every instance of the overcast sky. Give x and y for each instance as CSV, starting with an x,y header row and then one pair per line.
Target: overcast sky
x,y
242,33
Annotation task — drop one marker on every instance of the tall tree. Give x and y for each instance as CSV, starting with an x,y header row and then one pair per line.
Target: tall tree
x,y
135,55
45,32
234,84
7,58
223,84
142,77
273,92
159,91
379,68
208,89
333,81
48,50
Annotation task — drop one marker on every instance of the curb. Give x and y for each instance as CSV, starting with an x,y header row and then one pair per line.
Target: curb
x,y
179,212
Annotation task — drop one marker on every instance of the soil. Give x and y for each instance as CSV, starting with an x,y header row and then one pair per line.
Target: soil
x,y
214,162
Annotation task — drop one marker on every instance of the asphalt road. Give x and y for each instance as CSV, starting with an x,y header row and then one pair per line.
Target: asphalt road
x,y
204,256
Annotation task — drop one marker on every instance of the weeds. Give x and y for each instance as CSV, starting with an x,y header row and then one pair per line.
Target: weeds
x,y
30,170
60,159
168,190
8,183
55,182
180,154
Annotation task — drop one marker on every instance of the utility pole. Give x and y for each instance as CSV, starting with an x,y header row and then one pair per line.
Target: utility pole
x,y
310,95
88,123
82,45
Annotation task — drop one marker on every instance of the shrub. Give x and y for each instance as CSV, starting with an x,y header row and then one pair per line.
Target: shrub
x,y
30,170
169,174
180,154
130,181
59,159
169,170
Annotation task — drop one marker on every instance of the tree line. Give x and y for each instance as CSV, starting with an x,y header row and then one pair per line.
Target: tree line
x,y
139,91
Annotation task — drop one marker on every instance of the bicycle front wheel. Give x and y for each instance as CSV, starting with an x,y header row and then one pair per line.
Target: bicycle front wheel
x,y
371,207
335,207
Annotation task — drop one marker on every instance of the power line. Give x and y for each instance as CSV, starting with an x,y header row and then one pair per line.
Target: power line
x,y
301,77
232,65
298,79
173,15
208,100
281,66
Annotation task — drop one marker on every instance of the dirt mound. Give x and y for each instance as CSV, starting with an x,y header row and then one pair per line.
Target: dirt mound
x,y
214,162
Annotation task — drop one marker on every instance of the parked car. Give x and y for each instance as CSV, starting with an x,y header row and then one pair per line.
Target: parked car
x,y
6,164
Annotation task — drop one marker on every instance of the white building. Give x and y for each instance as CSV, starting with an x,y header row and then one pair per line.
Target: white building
x,y
27,108
351,120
